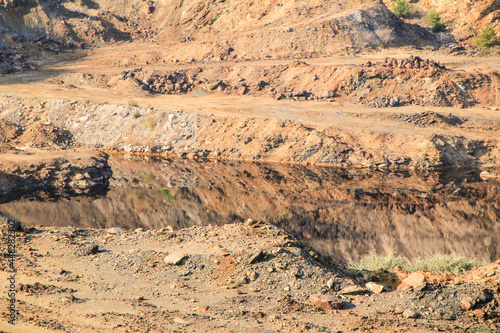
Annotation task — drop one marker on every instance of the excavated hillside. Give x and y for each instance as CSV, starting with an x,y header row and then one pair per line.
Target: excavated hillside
x,y
216,30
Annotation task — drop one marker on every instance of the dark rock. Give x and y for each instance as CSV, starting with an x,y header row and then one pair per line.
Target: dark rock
x,y
88,249
256,257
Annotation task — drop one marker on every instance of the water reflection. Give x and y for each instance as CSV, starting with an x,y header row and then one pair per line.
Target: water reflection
x,y
342,213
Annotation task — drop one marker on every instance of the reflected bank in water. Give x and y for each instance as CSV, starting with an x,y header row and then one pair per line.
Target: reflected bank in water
x,y
340,212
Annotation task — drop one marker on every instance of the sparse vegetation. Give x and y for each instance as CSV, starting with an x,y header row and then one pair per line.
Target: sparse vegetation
x,y
149,178
137,114
487,38
133,103
444,264
433,17
150,123
373,261
438,263
401,9
167,195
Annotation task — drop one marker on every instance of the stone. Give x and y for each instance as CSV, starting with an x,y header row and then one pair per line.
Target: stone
x,y
403,286
254,313
410,314
376,288
330,283
89,249
415,279
467,303
242,90
201,308
252,275
58,271
185,272
180,321
256,257
115,231
478,313
242,280
327,302
328,94
353,290
484,296
422,287
175,258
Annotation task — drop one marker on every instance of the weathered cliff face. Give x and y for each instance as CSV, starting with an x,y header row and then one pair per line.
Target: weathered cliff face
x,y
342,213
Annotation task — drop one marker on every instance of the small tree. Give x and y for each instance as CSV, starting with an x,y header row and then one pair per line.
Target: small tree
x,y
433,17
401,9
434,20
438,27
487,38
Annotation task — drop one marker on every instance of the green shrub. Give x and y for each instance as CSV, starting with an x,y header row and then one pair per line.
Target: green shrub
x,y
438,263
375,261
439,27
433,17
401,9
487,38
444,264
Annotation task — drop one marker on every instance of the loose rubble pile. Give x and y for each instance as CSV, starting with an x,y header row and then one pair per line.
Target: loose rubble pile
x,y
174,82
11,61
15,59
48,43
413,62
35,135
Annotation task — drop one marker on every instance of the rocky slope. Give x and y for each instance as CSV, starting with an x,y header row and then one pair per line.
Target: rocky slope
x,y
238,30
242,277
148,130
